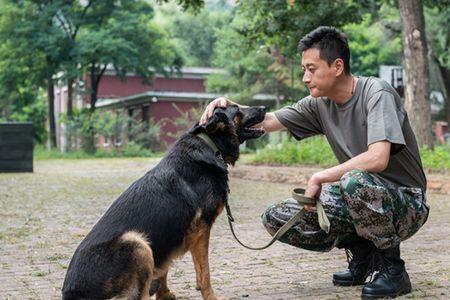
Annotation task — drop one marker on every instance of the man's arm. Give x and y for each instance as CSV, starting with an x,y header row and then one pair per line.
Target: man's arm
x,y
374,160
270,123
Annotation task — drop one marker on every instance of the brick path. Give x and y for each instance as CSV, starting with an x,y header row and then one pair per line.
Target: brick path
x,y
44,215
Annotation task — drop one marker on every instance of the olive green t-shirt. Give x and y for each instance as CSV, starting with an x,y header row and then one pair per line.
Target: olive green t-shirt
x,y
374,113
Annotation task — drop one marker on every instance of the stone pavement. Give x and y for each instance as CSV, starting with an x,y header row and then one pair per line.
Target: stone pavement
x,y
44,215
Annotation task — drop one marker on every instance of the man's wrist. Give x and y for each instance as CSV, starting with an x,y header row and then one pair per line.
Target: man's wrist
x,y
317,178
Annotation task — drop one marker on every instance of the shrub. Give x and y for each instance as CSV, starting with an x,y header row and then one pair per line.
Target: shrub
x,y
316,150
313,150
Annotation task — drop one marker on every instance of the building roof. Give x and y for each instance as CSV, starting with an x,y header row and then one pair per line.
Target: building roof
x,y
184,72
155,96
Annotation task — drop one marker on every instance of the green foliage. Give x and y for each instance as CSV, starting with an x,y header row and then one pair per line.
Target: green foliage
x,y
313,150
316,150
436,159
251,70
185,121
371,45
36,113
281,24
124,133
438,33
194,35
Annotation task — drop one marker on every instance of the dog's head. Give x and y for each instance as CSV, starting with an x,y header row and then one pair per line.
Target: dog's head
x,y
231,126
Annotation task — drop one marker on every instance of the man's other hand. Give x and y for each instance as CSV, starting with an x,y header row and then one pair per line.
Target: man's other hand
x,y
313,191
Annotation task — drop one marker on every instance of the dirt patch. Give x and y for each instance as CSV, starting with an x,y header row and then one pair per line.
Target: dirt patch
x,y
299,175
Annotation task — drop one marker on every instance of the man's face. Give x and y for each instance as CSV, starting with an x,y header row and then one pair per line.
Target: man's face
x,y
318,76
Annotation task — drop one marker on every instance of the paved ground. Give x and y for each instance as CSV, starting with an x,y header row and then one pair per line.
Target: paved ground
x,y
44,215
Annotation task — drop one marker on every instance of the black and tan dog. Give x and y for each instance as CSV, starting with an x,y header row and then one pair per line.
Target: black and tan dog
x,y
162,215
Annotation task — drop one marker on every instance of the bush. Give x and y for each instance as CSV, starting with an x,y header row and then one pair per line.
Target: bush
x,y
437,159
316,150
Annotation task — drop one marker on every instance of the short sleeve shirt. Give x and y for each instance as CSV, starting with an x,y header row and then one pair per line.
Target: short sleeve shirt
x,y
374,113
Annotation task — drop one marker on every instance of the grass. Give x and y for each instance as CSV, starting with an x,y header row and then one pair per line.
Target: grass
x,y
132,150
311,151
317,151
290,152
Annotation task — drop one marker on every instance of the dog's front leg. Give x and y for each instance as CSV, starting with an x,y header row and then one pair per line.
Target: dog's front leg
x,y
199,250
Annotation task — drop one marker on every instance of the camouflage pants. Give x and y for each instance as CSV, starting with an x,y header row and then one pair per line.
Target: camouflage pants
x,y
361,204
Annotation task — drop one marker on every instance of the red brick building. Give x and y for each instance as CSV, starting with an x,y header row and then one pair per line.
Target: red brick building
x,y
161,101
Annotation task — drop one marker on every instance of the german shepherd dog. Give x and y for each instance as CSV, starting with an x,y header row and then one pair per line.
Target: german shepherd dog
x,y
162,215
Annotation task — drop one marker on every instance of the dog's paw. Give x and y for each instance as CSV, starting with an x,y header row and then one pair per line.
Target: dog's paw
x,y
216,298
166,296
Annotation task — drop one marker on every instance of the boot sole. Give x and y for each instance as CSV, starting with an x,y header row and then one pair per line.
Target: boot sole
x,y
393,295
348,283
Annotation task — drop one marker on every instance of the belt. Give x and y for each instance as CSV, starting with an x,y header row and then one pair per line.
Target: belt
x,y
298,195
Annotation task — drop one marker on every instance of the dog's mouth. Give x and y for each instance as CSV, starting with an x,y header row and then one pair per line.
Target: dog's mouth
x,y
252,117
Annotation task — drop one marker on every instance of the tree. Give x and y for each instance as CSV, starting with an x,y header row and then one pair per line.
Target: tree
x,y
280,24
437,18
417,101
373,43
251,70
22,70
122,35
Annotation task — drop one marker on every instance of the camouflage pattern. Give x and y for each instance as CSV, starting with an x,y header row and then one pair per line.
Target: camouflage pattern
x,y
361,203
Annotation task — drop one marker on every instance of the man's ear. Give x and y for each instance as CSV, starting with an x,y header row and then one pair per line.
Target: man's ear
x,y
216,122
339,66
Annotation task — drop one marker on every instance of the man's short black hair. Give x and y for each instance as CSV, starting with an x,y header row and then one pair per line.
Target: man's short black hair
x,y
330,42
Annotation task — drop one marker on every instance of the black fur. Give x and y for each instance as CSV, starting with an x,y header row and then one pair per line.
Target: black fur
x,y
162,204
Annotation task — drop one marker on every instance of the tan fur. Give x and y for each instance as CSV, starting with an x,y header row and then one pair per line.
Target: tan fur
x,y
143,256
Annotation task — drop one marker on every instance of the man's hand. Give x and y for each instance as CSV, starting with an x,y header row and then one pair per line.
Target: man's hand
x,y
218,102
313,190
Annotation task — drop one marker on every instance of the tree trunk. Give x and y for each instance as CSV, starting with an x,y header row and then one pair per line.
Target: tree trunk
x,y
93,88
51,110
417,102
445,74
70,82
69,127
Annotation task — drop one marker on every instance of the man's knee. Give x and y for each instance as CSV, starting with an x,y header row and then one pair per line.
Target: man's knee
x,y
268,220
352,180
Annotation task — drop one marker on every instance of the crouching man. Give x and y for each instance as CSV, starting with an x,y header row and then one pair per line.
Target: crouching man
x,y
375,198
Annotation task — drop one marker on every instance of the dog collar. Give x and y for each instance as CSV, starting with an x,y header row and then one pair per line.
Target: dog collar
x,y
210,142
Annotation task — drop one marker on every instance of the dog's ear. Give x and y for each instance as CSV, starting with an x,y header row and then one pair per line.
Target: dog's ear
x,y
217,122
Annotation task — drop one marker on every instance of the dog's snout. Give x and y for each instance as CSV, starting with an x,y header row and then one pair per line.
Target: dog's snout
x,y
262,109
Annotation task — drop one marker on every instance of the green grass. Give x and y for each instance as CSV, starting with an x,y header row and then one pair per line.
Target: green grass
x,y
132,150
317,151
437,159
290,152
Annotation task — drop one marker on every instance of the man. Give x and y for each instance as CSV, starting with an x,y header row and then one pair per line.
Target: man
x,y
375,197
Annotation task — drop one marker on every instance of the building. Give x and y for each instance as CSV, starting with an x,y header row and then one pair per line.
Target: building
x,y
162,101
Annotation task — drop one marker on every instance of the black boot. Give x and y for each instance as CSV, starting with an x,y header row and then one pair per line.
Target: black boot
x,y
392,280
360,263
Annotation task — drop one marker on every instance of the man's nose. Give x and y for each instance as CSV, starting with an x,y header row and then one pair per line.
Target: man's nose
x,y
306,78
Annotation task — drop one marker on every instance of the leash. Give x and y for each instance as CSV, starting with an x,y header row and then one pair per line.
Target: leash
x,y
297,194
